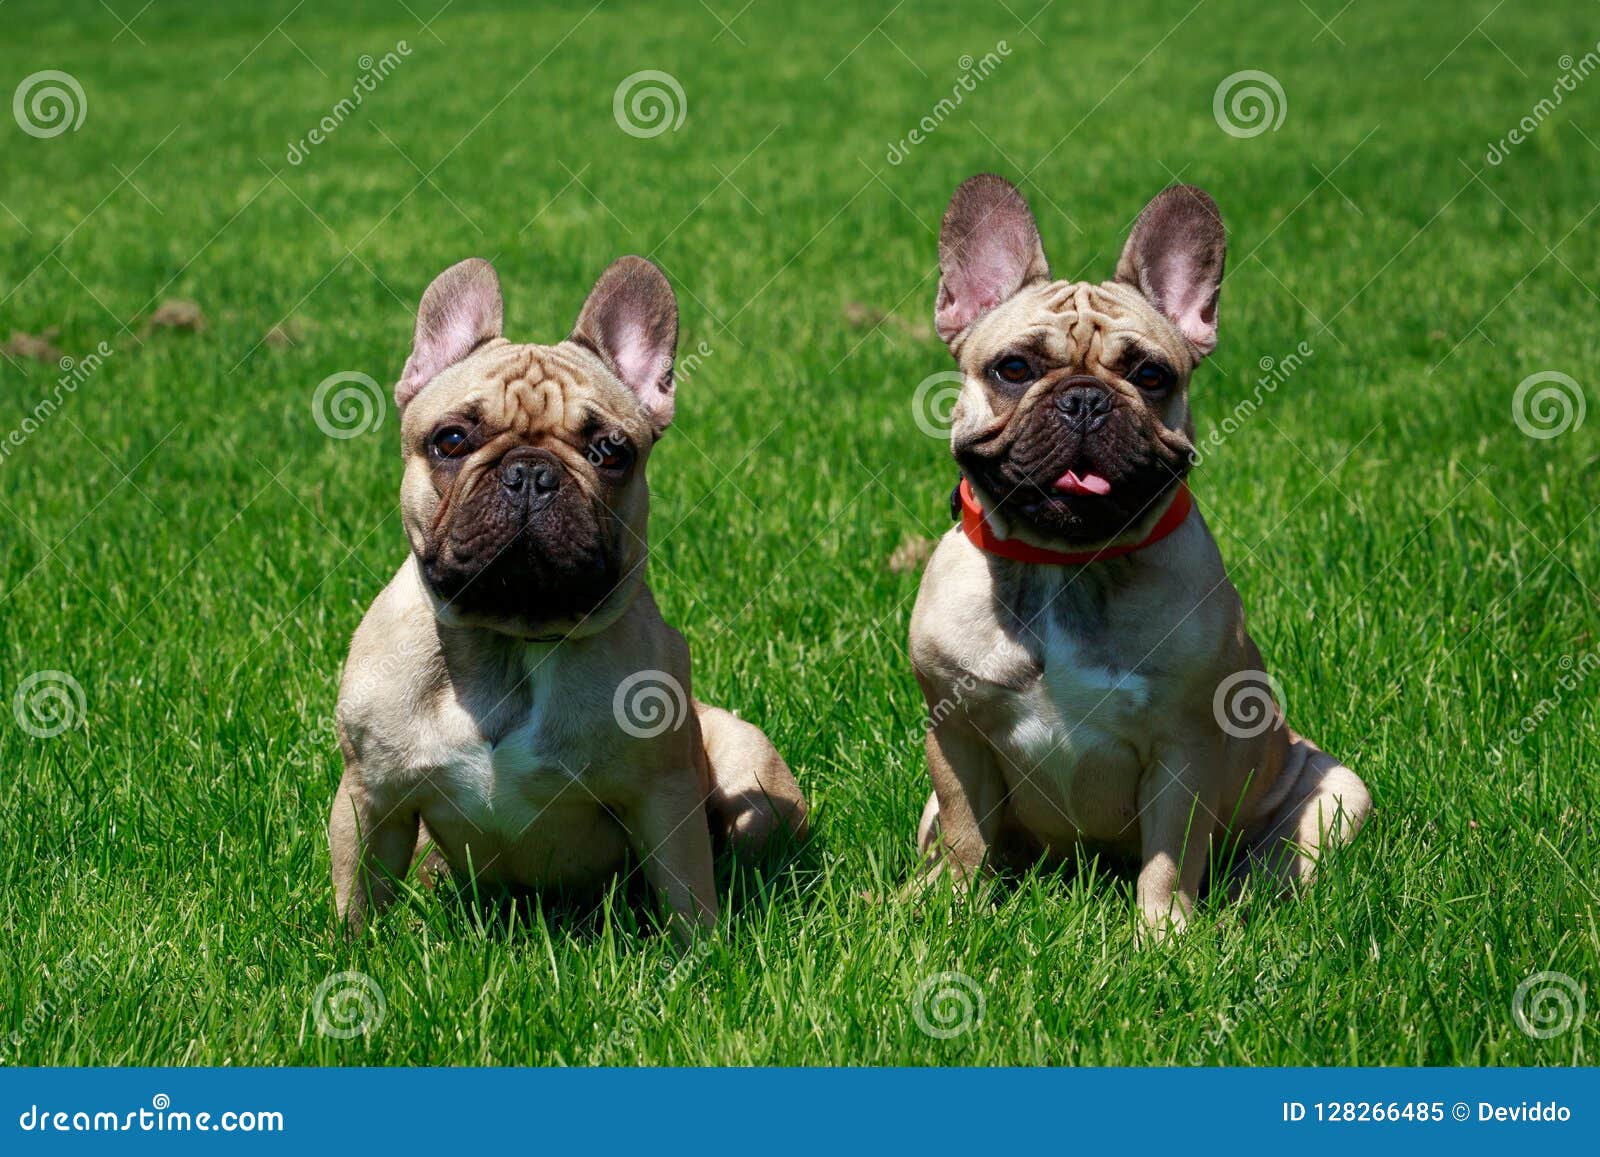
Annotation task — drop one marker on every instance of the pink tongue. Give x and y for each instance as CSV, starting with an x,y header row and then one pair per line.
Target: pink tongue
x,y
1072,483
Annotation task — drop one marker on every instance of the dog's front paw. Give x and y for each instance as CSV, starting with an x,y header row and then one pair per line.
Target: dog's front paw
x,y
1158,924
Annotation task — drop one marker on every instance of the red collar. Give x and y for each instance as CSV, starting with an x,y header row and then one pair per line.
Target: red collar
x,y
977,529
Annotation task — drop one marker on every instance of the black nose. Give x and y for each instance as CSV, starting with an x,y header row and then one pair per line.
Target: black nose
x,y
1080,404
541,477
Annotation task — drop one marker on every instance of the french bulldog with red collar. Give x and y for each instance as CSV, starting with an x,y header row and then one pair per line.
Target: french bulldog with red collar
x,y
1088,675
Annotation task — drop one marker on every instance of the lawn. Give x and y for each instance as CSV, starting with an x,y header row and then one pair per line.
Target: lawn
x,y
185,550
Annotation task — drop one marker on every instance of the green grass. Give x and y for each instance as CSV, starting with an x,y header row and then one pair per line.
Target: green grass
x,y
184,541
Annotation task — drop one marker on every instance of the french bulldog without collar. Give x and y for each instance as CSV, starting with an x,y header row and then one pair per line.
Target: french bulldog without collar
x,y
514,695
1104,692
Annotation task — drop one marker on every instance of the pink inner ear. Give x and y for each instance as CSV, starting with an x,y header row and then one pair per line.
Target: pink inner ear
x,y
637,360
458,313
1202,333
987,285
642,364
1189,304
458,332
974,291
991,269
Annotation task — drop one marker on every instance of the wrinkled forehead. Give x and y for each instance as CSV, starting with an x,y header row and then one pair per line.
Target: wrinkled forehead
x,y
528,390
1081,321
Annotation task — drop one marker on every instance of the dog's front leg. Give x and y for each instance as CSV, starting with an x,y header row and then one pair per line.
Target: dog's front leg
x,y
1176,824
672,836
971,791
370,852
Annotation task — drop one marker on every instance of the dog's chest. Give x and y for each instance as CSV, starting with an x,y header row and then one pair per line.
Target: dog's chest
x,y
502,765
1079,735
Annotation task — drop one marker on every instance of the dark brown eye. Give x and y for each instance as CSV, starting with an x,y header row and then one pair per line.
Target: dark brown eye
x,y
1152,377
450,442
611,452
1013,370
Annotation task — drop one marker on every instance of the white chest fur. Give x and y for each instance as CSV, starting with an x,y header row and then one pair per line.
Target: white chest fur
x,y
1081,734
502,783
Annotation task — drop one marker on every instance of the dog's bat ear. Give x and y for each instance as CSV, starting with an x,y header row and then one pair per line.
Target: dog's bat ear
x,y
1175,256
631,321
459,312
989,248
